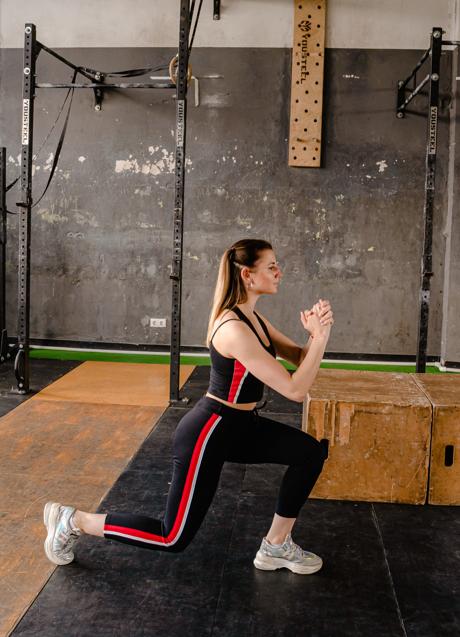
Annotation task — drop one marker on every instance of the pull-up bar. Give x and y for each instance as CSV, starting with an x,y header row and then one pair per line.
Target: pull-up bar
x,y
403,83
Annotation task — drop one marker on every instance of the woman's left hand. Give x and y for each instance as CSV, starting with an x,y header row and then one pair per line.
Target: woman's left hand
x,y
324,312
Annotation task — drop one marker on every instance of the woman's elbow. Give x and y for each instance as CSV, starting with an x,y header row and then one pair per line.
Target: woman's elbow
x,y
297,398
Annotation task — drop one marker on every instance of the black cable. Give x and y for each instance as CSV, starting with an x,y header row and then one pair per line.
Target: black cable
x,y
77,69
13,183
37,154
60,142
86,72
128,73
194,29
191,10
91,74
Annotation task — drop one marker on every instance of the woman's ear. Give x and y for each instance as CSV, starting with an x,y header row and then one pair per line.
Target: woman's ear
x,y
246,274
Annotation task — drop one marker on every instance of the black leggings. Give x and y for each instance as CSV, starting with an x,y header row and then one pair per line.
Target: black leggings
x,y
207,436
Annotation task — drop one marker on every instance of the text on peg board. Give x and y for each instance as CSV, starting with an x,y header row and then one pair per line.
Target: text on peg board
x,y
307,83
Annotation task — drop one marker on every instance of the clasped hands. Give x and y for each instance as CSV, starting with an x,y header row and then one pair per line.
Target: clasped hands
x,y
324,312
319,319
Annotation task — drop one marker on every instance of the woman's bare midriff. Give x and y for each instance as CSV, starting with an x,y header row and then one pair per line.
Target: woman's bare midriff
x,y
243,406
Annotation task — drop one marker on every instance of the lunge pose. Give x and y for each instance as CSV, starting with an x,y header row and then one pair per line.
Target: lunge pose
x,y
225,424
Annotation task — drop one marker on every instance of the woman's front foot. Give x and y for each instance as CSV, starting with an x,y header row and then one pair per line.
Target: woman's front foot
x,y
286,555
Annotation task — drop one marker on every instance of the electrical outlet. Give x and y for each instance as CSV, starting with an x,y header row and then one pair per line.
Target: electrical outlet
x,y
157,322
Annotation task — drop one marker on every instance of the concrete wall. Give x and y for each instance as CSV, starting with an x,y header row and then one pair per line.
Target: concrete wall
x,y
351,231
450,332
351,24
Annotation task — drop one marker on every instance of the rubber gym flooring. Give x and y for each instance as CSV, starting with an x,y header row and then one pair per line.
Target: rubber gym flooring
x,y
389,569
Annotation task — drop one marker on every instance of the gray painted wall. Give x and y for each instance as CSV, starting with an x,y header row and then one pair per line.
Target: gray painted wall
x,y
366,24
450,339
350,231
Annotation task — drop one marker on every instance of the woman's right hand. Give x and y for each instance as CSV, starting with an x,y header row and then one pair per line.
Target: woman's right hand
x,y
311,322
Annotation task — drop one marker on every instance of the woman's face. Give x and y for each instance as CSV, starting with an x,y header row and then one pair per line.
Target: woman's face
x,y
266,273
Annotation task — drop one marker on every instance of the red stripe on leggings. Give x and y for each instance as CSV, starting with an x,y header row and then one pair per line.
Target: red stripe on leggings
x,y
184,499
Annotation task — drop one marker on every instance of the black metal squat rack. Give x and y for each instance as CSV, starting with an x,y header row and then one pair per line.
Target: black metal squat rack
x,y
403,100
96,82
32,48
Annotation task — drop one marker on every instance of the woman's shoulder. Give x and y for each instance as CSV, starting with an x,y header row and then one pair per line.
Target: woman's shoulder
x,y
225,315
220,334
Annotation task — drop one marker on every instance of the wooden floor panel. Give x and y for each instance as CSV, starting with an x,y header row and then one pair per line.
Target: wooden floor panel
x,y
68,443
115,384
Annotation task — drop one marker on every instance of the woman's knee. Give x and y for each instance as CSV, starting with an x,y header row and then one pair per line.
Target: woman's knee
x,y
179,547
314,453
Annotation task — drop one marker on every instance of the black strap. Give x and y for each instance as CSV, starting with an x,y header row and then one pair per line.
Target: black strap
x,y
60,142
264,327
37,154
13,183
230,319
248,322
127,73
95,73
196,24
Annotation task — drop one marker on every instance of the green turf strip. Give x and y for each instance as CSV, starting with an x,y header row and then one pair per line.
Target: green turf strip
x,y
164,359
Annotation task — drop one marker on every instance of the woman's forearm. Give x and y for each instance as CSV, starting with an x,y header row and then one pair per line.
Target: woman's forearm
x,y
303,351
305,374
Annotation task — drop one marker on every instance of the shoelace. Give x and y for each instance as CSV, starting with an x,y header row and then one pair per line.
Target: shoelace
x,y
73,536
294,550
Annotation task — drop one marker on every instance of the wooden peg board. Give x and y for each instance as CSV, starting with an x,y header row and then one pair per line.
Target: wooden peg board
x,y
307,83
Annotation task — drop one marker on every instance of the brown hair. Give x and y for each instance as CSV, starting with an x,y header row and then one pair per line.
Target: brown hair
x,y
230,289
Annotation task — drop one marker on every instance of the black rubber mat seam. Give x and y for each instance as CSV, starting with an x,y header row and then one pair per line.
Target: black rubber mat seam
x,y
227,550
390,577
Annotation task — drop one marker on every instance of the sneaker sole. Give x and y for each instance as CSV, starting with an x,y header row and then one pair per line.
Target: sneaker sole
x,y
266,564
50,516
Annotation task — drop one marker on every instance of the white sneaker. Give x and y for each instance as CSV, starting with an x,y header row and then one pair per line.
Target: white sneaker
x,y
286,555
62,534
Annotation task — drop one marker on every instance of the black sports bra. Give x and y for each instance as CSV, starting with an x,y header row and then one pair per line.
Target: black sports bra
x,y
229,379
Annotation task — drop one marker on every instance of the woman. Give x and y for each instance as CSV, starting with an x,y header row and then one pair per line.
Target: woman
x,y
225,424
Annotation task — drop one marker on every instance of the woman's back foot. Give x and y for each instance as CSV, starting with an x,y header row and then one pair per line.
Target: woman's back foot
x,y
62,534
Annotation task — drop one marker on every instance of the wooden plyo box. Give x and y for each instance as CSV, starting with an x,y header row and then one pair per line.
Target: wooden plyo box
x,y
443,390
378,425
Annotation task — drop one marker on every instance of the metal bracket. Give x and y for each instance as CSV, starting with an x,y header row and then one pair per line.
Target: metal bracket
x,y
401,101
98,92
4,349
196,85
20,370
